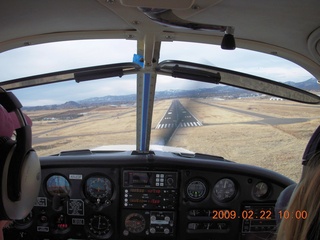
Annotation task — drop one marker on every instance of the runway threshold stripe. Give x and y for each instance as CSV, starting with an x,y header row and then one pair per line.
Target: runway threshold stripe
x,y
181,125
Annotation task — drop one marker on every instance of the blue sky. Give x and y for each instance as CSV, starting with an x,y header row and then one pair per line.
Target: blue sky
x,y
40,59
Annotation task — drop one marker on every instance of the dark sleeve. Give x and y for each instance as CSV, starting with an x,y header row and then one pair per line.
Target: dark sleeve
x,y
283,200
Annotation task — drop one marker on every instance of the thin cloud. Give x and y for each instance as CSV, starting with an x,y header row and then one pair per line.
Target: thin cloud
x,y
281,74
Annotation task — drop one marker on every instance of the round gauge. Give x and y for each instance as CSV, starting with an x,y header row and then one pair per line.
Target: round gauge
x,y
260,190
135,223
100,226
58,185
98,188
224,190
197,190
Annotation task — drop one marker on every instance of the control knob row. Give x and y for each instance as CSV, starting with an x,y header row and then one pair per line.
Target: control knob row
x,y
154,218
153,230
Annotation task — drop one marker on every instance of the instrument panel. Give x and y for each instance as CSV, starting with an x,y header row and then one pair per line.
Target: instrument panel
x,y
151,201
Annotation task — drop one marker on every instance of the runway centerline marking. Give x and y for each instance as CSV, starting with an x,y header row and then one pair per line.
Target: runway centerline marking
x,y
178,116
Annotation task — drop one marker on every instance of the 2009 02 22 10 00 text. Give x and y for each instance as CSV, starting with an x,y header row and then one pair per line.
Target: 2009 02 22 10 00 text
x,y
262,215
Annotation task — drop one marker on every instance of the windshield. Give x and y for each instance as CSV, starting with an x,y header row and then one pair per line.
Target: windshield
x,y
239,125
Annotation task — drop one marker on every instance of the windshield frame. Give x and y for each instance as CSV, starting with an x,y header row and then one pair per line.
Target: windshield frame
x,y
149,76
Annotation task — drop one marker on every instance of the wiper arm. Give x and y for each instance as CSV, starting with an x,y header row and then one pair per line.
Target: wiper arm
x,y
209,74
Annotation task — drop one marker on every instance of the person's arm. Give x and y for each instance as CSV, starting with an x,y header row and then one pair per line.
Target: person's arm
x,y
3,224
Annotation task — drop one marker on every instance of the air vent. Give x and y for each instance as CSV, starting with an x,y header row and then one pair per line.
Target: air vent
x,y
163,4
76,152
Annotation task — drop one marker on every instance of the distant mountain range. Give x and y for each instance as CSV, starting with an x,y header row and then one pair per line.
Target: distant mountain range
x,y
309,85
216,91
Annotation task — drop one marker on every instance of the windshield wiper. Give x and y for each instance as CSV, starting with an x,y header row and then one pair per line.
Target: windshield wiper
x,y
209,74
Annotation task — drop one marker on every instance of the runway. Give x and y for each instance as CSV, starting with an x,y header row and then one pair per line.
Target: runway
x,y
177,116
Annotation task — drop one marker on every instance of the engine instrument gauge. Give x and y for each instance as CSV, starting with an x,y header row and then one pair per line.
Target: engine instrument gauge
x,y
224,190
58,185
135,223
196,190
100,227
261,190
98,188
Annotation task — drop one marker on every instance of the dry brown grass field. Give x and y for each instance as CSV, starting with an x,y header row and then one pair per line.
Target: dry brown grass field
x,y
245,131
95,127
